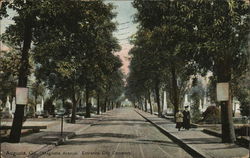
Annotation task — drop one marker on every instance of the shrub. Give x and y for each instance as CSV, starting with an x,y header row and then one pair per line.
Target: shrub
x,y
194,109
211,115
195,114
68,107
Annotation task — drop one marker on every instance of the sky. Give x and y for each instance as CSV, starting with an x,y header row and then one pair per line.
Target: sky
x,y
4,23
126,28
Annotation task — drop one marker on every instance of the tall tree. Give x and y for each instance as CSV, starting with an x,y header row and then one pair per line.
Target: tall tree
x,y
170,26
20,34
76,49
222,29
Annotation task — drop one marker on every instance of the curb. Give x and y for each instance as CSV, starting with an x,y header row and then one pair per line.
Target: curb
x,y
188,148
212,132
241,141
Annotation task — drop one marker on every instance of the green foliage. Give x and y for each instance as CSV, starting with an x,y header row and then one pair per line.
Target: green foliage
x,y
116,86
37,89
197,91
222,30
9,63
162,47
195,110
67,106
197,94
242,93
49,107
211,91
72,44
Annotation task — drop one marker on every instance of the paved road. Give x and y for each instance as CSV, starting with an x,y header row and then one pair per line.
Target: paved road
x,y
123,133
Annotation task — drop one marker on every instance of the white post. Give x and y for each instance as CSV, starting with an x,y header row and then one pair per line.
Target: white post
x,y
13,104
92,101
200,106
8,105
205,103
165,106
38,108
42,105
186,100
148,106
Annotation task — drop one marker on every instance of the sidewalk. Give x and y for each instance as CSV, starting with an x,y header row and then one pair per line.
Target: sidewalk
x,y
36,144
195,141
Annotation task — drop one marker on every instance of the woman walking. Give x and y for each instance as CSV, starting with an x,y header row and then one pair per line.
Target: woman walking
x,y
179,119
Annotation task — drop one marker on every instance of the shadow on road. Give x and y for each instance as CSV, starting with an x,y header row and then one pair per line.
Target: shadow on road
x,y
112,135
108,141
202,140
121,124
48,137
127,120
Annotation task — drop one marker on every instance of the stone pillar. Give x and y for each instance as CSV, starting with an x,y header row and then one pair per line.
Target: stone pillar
x,y
92,101
38,108
186,103
165,107
7,104
200,106
148,106
42,105
205,103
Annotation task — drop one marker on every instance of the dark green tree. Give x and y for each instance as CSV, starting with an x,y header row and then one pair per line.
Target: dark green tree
x,y
170,27
222,29
9,63
20,36
76,51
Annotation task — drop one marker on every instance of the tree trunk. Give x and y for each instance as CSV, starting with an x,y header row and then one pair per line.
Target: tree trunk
x,y
224,75
139,103
109,105
145,104
175,90
134,104
22,81
142,108
63,103
150,103
234,105
88,105
73,116
80,103
162,105
157,93
35,102
105,105
98,104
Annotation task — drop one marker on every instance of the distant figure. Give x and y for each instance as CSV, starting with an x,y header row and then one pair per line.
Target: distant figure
x,y
186,118
179,119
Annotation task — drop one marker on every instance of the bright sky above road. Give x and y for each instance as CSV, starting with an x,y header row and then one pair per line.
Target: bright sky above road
x,y
126,28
